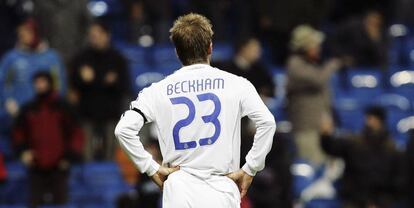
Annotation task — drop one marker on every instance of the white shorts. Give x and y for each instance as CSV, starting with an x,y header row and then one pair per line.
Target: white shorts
x,y
183,190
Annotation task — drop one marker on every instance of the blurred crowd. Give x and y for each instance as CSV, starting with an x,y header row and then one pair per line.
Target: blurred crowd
x,y
64,84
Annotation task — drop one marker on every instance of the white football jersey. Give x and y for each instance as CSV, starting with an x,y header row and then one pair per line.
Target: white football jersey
x,y
197,112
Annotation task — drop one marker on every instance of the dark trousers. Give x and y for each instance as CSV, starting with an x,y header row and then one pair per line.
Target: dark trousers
x,y
48,187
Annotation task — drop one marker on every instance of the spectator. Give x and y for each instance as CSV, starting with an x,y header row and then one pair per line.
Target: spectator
x,y
48,139
409,155
160,16
129,171
345,9
10,14
138,22
100,83
245,12
403,12
3,171
147,193
371,162
364,40
218,12
150,196
277,18
246,63
308,91
64,23
273,186
29,56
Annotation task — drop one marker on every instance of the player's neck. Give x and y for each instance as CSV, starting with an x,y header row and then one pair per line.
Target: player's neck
x,y
207,62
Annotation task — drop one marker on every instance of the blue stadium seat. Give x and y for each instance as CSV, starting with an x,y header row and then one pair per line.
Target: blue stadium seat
x,y
280,80
401,141
136,70
336,83
164,57
97,205
350,112
145,79
16,183
105,7
365,84
303,174
167,70
133,53
96,184
110,195
399,51
99,175
76,175
5,121
404,125
402,82
5,146
58,206
79,194
409,50
119,29
77,189
222,52
323,203
277,105
267,55
397,107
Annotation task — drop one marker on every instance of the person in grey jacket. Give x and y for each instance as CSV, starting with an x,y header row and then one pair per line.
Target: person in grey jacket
x,y
308,91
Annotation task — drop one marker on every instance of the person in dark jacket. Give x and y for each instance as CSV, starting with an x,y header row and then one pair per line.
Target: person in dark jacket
x,y
371,162
246,63
100,86
48,138
364,40
409,169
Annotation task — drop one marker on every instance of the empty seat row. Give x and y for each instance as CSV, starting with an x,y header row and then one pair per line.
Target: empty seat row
x,y
95,184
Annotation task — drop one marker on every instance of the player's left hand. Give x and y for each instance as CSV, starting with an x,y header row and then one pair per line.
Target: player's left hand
x,y
242,179
161,175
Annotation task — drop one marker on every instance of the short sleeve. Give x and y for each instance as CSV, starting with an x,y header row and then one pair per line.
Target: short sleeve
x,y
145,103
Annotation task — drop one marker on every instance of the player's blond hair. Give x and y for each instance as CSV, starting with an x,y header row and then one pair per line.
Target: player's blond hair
x,y
192,35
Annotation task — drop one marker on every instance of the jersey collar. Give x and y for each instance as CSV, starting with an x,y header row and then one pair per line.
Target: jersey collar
x,y
195,66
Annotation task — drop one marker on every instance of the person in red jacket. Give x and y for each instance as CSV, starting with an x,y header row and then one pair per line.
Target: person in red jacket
x,y
3,171
48,138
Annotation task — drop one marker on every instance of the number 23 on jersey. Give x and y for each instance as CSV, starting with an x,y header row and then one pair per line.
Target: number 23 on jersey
x,y
212,118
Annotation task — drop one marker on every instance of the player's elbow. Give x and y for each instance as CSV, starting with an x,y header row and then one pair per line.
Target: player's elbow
x,y
119,130
268,125
269,122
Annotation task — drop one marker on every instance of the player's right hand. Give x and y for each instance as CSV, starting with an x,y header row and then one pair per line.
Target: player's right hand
x,y
242,179
161,175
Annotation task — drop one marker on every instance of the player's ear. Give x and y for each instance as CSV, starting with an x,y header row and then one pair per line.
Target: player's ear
x,y
210,49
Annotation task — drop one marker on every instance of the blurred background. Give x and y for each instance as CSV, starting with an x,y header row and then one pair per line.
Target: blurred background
x,y
338,76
